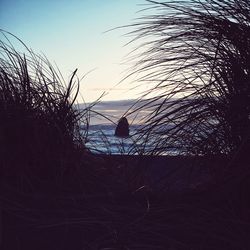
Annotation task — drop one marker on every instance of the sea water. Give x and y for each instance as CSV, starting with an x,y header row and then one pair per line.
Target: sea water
x,y
101,139
100,134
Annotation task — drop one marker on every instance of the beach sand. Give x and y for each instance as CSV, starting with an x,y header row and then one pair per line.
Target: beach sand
x,y
118,218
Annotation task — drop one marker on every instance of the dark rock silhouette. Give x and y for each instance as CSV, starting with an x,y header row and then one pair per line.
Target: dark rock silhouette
x,y
122,129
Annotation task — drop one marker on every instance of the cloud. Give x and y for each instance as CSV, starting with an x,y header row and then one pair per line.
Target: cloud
x,y
111,105
106,89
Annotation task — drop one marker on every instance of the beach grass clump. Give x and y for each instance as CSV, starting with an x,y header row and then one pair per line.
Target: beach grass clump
x,y
40,126
196,58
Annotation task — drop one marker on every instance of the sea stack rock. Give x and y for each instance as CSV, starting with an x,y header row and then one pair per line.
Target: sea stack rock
x,y
122,129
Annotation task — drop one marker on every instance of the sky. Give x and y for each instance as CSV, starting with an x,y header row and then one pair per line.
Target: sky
x,y
75,34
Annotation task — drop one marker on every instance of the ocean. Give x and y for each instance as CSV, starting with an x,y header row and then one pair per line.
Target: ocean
x,y
101,139
103,120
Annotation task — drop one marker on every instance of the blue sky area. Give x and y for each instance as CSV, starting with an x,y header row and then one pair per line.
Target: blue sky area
x,y
72,34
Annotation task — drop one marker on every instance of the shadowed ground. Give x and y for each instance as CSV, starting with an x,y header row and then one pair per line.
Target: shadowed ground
x,y
128,207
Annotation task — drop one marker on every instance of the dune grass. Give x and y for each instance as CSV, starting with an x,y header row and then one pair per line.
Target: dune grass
x,y
195,56
40,127
109,207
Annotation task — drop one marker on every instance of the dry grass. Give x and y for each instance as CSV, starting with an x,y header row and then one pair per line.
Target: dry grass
x,y
100,206
40,128
195,55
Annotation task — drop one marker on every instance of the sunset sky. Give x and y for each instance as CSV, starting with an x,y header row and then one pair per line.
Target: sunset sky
x,y
72,34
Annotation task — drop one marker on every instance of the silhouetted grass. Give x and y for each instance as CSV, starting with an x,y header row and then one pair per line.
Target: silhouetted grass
x,y
196,56
40,127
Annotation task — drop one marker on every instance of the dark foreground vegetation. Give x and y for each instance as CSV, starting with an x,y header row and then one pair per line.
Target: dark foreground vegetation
x,y
55,194
196,58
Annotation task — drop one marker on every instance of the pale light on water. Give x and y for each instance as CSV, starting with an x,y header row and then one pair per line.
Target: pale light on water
x,y
101,139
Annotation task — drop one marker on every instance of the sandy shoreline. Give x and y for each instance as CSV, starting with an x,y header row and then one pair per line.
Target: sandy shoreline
x,y
167,173
77,220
